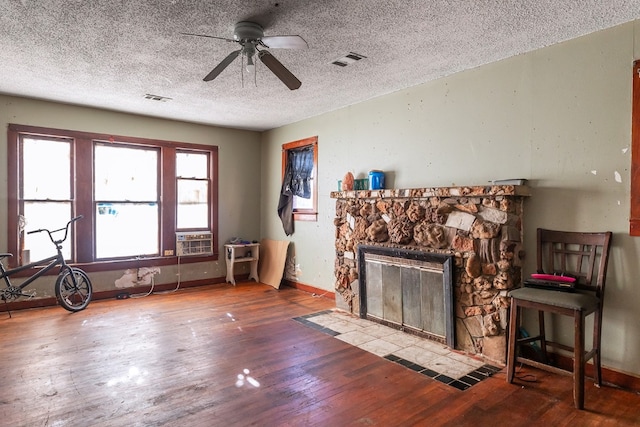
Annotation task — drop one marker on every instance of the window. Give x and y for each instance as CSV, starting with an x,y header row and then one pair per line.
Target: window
x,y
299,192
192,174
134,194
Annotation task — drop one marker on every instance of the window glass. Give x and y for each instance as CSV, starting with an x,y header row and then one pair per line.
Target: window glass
x,y
192,165
302,203
126,229
193,206
126,193
40,158
47,195
124,173
46,215
302,180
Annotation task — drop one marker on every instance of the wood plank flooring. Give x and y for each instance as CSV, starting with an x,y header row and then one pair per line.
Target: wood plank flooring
x,y
232,356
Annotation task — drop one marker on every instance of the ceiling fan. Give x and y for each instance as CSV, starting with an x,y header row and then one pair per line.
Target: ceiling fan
x,y
251,38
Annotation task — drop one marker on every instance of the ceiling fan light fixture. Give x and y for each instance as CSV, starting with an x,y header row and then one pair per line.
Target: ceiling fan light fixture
x,y
251,67
249,51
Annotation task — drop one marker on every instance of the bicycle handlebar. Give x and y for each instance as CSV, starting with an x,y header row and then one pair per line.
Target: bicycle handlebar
x,y
65,228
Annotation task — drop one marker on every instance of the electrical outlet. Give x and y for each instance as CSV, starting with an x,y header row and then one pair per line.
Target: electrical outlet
x,y
168,252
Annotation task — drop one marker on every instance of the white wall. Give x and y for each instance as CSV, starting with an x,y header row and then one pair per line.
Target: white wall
x,y
239,173
559,116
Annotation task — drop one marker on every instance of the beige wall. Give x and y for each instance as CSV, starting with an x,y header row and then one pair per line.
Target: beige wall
x,y
239,173
559,116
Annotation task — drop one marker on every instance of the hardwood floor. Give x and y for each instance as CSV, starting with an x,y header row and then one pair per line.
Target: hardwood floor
x,y
232,356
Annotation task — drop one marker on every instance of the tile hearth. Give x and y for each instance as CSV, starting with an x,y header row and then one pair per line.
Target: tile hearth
x,y
427,357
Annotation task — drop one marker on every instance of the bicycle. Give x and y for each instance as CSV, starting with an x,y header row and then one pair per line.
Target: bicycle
x,y
73,288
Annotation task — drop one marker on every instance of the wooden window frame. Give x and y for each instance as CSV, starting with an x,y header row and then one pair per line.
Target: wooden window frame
x,y
208,179
82,168
96,202
634,218
304,214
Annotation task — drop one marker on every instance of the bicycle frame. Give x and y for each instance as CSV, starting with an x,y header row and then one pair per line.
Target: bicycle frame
x,y
50,262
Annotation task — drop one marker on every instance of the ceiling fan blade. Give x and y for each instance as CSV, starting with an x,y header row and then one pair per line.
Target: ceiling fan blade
x,y
221,66
279,70
284,42
211,37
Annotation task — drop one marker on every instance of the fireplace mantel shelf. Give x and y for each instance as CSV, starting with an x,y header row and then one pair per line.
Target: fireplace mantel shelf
x,y
460,191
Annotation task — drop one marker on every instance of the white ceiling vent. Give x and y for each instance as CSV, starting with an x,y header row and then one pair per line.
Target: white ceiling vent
x,y
156,97
350,58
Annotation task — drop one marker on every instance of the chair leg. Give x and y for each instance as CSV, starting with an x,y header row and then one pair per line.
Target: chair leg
x,y
512,343
578,361
597,331
543,338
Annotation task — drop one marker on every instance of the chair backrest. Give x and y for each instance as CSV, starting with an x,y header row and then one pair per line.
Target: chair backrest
x,y
582,255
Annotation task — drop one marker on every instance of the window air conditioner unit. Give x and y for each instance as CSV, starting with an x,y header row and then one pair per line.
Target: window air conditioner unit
x,y
194,243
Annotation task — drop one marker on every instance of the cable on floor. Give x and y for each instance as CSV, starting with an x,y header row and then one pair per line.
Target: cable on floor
x,y
177,284
148,293
319,295
527,377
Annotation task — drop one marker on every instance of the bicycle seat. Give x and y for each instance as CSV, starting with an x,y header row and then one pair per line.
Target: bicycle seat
x,y
5,255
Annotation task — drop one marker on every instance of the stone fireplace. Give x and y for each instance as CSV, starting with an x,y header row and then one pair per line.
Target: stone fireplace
x,y
478,228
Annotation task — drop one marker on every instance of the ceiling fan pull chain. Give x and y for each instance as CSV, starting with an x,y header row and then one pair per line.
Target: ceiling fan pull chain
x,y
242,70
255,75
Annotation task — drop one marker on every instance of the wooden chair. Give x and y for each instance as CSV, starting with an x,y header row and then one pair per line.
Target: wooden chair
x,y
581,255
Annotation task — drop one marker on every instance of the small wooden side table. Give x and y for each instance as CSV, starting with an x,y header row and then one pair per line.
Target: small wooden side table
x,y
249,252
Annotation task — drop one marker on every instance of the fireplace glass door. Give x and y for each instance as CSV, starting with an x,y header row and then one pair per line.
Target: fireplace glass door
x,y
408,293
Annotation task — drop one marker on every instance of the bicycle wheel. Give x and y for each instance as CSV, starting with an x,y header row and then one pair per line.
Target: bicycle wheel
x,y
73,297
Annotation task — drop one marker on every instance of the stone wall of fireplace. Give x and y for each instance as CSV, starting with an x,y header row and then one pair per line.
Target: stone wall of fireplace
x,y
480,226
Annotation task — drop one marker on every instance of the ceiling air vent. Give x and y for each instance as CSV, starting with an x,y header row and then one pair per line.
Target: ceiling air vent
x,y
350,58
156,97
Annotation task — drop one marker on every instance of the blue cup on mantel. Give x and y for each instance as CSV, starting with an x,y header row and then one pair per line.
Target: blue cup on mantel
x,y
376,180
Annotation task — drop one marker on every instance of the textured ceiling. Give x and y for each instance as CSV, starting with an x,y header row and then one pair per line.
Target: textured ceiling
x,y
110,53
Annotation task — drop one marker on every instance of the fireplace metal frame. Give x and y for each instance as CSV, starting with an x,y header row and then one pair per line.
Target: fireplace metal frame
x,y
445,260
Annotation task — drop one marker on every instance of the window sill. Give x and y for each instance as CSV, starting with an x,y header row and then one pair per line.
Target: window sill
x,y
144,262
124,264
305,216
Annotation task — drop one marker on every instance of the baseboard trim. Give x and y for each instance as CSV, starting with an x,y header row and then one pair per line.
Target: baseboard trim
x,y
609,376
113,293
310,289
110,294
